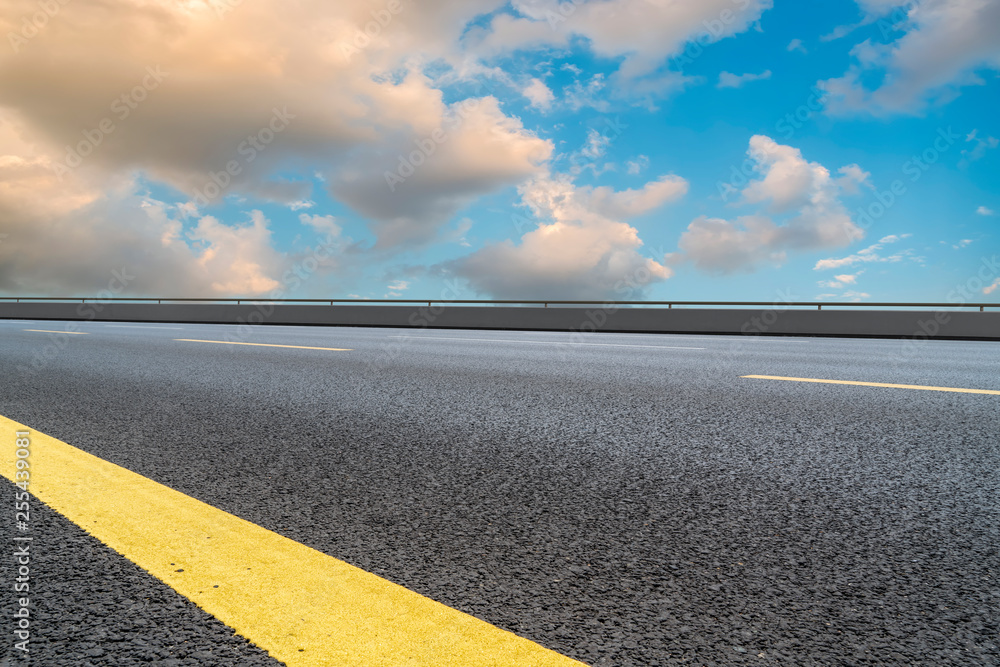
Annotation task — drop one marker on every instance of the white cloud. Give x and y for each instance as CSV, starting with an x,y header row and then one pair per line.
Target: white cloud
x,y
240,259
872,9
355,111
350,113
876,8
790,186
630,203
80,250
796,45
644,35
593,151
597,144
978,151
324,224
580,249
728,80
71,235
538,94
838,32
851,295
722,246
480,150
853,176
865,255
840,281
982,210
790,181
591,94
964,243
637,165
945,43
992,288
222,79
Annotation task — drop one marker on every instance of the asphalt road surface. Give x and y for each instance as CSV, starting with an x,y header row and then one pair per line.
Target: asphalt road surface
x,y
620,499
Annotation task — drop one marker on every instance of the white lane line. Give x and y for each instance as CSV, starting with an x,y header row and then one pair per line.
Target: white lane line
x,y
544,342
69,333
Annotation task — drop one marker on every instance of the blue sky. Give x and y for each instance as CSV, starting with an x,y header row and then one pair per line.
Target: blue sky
x,y
611,149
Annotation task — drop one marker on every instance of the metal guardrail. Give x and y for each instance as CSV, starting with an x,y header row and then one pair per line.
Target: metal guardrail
x,y
544,304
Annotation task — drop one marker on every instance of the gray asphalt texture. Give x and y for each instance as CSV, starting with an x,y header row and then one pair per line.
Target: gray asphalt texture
x,y
620,502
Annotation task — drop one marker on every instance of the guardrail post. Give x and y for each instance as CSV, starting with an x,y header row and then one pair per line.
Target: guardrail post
x,y
819,307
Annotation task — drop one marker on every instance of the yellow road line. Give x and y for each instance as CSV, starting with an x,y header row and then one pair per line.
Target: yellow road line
x,y
303,607
876,384
71,333
297,347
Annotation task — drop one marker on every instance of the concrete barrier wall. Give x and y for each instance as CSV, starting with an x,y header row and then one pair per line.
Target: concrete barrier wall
x,y
796,322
